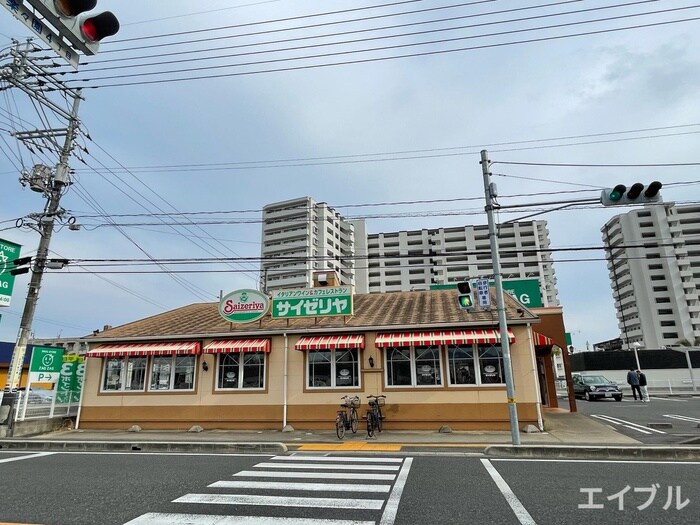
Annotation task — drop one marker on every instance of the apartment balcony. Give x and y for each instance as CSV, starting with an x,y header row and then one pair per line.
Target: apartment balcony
x,y
292,250
300,236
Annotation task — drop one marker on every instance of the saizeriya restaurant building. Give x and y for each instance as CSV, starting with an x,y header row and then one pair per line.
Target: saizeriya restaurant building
x,y
204,365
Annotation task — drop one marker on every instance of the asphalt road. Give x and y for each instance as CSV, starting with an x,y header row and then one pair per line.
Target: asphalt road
x,y
306,489
646,422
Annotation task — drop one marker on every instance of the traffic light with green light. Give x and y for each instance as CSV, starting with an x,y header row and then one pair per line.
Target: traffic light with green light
x,y
620,195
465,299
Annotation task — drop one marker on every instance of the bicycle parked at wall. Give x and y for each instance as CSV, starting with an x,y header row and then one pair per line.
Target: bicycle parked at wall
x,y
374,414
347,418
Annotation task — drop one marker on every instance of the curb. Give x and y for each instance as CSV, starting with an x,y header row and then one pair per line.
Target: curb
x,y
211,447
592,452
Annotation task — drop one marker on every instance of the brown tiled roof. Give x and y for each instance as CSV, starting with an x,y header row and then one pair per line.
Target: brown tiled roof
x,y
406,311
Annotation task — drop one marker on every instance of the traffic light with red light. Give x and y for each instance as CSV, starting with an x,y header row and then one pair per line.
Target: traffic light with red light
x,y
620,195
73,21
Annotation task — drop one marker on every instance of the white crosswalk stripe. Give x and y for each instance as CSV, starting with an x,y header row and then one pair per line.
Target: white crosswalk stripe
x,y
328,467
314,475
368,485
319,487
154,518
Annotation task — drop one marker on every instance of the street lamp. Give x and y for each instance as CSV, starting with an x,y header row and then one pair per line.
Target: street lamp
x,y
636,346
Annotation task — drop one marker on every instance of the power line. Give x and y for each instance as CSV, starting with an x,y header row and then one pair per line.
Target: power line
x,y
141,56
309,160
367,60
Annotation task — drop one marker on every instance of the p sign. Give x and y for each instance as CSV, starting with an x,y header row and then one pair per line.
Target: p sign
x,y
46,364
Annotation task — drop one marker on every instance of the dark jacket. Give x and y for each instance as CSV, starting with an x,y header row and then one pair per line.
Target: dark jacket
x,y
642,379
632,378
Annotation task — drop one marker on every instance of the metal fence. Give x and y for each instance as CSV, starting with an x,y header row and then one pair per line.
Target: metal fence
x,y
658,387
45,404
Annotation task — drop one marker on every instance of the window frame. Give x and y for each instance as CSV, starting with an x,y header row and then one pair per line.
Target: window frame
x,y
413,367
240,376
122,374
173,368
445,366
333,369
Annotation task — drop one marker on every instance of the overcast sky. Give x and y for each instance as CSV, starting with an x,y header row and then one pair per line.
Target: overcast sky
x,y
370,129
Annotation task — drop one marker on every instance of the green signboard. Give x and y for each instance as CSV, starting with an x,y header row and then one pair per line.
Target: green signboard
x,y
527,291
70,380
46,363
243,306
9,251
312,302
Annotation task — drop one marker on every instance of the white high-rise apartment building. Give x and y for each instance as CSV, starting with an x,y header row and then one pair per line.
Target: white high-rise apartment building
x,y
417,259
307,236
653,258
302,236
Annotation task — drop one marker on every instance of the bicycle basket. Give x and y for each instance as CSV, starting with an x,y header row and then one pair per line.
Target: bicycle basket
x,y
377,401
352,402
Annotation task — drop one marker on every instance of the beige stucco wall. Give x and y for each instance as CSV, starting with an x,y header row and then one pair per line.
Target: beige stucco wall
x,y
314,408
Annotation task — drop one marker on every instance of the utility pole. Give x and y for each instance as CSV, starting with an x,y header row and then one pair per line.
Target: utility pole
x,y
490,193
45,223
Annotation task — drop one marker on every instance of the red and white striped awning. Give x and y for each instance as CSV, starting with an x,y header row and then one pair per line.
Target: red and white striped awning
x,y
141,349
237,345
454,337
542,340
331,341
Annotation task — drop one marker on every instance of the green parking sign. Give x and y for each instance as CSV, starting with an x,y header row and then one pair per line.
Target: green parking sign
x,y
46,363
9,251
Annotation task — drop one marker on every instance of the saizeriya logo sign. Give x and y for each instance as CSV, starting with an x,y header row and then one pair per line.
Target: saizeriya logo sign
x,y
244,306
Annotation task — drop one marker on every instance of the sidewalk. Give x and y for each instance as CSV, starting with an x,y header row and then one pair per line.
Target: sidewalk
x,y
567,435
561,428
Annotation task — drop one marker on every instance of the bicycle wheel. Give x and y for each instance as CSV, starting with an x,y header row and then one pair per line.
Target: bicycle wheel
x,y
378,419
340,426
370,424
354,421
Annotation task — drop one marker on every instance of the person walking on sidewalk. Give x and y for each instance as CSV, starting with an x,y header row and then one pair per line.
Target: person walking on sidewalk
x,y
633,382
643,386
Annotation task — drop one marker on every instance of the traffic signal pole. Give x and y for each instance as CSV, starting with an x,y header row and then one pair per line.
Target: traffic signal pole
x,y
489,192
61,178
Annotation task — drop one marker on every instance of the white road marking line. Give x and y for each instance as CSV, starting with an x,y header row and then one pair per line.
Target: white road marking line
x,y
154,518
625,461
328,467
669,399
338,458
314,475
321,487
616,423
683,418
392,504
282,501
628,424
520,512
30,456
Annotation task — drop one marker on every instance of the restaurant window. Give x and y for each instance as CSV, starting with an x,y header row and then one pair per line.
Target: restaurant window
x,y
460,363
333,368
241,370
124,374
418,366
172,372
491,364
